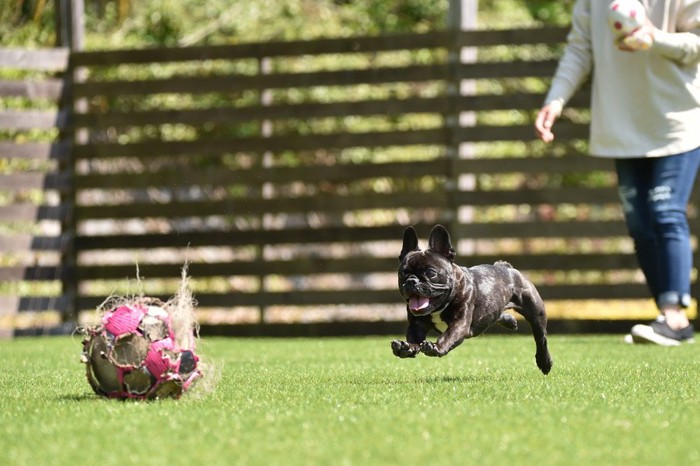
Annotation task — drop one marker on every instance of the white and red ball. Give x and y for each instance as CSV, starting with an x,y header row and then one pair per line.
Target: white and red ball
x,y
133,354
626,16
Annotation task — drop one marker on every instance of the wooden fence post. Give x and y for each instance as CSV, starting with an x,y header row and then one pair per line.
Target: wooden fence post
x,y
70,34
462,15
267,190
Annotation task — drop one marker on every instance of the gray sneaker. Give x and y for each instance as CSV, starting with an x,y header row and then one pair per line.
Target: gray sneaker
x,y
659,333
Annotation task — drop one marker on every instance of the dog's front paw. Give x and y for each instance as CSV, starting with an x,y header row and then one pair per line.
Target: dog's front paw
x,y
431,349
403,349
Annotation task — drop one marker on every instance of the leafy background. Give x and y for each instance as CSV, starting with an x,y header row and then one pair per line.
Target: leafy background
x,y
128,23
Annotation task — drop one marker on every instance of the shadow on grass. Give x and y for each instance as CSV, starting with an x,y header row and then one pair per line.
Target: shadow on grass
x,y
451,379
80,397
467,380
429,380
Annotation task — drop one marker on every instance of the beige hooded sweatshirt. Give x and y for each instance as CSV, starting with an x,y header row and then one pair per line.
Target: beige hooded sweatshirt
x,y
644,103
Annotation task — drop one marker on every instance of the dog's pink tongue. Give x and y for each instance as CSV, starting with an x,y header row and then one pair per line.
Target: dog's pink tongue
x,y
416,303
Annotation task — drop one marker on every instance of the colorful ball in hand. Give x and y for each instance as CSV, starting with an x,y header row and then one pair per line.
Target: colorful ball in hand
x,y
626,16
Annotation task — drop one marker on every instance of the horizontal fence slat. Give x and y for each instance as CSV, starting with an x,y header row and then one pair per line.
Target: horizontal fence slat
x,y
28,212
235,83
543,229
34,150
358,297
492,133
344,173
366,44
308,329
598,291
8,304
46,88
537,196
30,273
240,238
33,119
388,107
566,131
291,298
299,266
383,107
353,265
366,201
233,145
280,205
510,69
29,180
55,59
364,327
264,49
544,35
492,230
572,163
27,242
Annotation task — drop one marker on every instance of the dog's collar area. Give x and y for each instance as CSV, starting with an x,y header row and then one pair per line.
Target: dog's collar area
x,y
436,319
439,311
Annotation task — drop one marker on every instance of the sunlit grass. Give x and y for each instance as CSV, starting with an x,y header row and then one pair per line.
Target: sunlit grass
x,y
350,401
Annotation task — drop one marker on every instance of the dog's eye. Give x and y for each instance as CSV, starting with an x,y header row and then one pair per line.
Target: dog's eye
x,y
431,273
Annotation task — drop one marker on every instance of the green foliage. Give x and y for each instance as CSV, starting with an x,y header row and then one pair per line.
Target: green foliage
x,y
350,401
172,22
27,23
124,23
551,11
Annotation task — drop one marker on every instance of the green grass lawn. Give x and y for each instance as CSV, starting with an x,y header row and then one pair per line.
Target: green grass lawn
x,y
350,401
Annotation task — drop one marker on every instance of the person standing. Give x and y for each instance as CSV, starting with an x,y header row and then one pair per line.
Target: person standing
x,y
645,115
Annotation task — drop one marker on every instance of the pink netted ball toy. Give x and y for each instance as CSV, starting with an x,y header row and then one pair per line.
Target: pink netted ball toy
x,y
134,353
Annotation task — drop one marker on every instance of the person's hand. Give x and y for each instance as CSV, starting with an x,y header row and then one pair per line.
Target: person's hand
x,y
639,39
545,120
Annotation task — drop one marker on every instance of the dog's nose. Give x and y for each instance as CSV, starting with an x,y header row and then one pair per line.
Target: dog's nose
x,y
411,282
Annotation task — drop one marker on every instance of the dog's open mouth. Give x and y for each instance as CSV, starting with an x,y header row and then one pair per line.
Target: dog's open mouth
x,y
418,303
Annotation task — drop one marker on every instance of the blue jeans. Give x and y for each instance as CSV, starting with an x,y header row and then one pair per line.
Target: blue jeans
x,y
654,193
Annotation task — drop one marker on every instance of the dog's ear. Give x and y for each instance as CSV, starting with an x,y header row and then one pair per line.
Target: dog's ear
x,y
410,242
440,242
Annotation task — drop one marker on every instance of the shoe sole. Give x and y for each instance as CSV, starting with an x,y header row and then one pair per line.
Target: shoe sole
x,y
645,334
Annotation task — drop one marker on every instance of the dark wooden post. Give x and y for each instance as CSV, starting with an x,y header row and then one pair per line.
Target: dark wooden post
x,y
267,190
461,16
70,34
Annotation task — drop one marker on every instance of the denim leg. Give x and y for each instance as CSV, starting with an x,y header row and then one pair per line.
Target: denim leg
x,y
634,179
654,193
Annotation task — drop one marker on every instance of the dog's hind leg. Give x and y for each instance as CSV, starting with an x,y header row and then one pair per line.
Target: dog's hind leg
x,y
531,306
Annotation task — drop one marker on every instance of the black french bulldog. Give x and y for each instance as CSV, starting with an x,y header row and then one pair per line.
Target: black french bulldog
x,y
460,302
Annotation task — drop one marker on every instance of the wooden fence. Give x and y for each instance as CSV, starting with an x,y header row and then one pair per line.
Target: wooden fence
x,y
34,185
284,173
